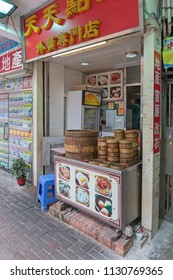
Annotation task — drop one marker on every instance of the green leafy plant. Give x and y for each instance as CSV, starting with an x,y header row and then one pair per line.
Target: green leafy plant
x,y
19,168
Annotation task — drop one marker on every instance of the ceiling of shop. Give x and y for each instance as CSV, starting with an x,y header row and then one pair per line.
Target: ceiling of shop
x,y
100,59
104,58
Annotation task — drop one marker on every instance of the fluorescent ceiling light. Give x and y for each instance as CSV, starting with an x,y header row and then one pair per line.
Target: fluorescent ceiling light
x,y
80,49
6,8
85,63
131,54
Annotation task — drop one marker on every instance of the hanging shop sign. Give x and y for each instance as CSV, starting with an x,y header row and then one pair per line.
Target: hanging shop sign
x,y
157,77
167,52
8,45
64,24
11,59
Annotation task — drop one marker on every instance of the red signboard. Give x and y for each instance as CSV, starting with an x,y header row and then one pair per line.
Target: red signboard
x,y
66,23
157,74
11,60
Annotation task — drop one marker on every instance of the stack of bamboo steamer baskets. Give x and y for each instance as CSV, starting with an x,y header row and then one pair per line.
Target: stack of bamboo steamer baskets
x,y
126,152
102,148
132,135
112,150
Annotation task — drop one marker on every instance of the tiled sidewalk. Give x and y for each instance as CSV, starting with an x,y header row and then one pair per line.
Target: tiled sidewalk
x,y
26,232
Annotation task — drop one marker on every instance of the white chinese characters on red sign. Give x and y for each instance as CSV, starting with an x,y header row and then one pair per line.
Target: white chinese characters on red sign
x,y
11,61
156,130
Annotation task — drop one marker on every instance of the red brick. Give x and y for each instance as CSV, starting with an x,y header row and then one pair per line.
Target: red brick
x,y
122,243
122,250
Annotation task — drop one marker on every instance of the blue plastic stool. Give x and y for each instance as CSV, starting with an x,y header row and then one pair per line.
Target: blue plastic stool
x,y
46,186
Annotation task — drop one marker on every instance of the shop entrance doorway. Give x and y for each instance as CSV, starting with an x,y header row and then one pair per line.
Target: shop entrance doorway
x,y
166,186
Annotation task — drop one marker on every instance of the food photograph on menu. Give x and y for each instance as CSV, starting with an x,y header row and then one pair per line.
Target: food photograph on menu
x,y
115,78
64,189
111,84
115,92
64,172
82,196
103,186
82,179
102,80
91,80
103,205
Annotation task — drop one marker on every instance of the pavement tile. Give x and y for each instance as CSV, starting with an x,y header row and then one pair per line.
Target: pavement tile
x,y
26,232
89,245
58,256
97,255
70,255
78,245
52,246
83,255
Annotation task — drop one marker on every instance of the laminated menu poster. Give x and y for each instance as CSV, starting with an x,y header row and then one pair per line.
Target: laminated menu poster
x,y
20,125
95,191
111,83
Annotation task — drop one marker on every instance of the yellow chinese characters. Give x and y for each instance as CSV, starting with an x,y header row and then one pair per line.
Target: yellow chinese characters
x,y
76,31
49,14
51,43
76,7
64,39
92,29
30,24
41,48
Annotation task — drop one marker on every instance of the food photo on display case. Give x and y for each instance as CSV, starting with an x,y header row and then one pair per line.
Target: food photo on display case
x,y
103,205
103,186
64,172
82,179
64,188
82,196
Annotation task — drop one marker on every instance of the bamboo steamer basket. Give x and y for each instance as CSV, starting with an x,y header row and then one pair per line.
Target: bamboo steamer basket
x,y
119,134
127,156
95,161
102,157
126,160
112,154
113,150
102,144
81,133
112,145
126,164
112,141
126,151
81,157
125,144
81,144
117,166
104,164
104,148
131,131
102,152
113,159
80,149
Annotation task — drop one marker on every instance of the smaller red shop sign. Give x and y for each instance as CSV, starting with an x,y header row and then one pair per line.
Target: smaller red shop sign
x,y
156,130
66,23
11,60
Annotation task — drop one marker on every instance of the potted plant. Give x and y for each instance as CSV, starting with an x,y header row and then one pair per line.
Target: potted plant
x,y
19,169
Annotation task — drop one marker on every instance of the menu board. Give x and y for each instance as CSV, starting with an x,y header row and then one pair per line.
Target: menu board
x,y
111,84
95,191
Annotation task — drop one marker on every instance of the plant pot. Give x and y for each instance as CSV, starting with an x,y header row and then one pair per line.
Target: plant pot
x,y
21,182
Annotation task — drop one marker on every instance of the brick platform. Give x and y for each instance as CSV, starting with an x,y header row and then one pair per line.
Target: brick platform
x,y
91,226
